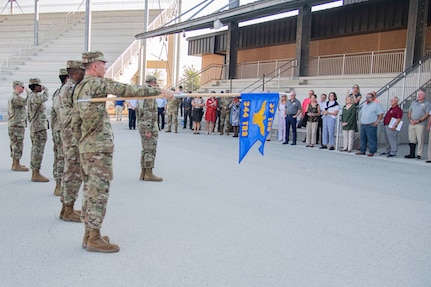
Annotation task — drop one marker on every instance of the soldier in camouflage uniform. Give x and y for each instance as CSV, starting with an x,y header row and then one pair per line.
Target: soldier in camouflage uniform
x,y
71,178
149,131
38,126
17,122
58,165
91,125
224,106
173,106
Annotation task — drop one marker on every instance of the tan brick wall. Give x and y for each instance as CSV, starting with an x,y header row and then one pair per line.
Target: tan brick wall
x,y
209,59
352,44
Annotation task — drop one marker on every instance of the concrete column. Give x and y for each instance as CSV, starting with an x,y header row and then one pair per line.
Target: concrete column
x,y
303,32
232,44
416,31
232,49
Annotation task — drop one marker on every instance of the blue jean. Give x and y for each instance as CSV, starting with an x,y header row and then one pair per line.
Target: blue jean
x,y
328,131
368,138
291,121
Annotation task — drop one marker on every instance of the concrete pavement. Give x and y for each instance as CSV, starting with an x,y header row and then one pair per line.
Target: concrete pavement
x,y
295,217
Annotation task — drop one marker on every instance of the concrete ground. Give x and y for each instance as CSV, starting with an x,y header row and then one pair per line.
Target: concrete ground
x,y
295,217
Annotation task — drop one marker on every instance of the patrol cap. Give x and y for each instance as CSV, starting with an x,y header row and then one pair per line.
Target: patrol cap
x,y
90,57
17,83
35,81
62,72
74,65
150,79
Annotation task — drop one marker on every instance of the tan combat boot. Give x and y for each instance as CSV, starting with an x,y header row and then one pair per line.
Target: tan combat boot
x,y
70,214
62,211
96,243
149,176
141,177
57,190
87,235
37,177
16,166
168,130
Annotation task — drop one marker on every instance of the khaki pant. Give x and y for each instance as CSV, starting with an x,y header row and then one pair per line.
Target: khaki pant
x,y
429,146
417,136
348,139
311,133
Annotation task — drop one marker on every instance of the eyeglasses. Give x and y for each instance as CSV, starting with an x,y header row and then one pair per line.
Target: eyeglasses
x,y
369,97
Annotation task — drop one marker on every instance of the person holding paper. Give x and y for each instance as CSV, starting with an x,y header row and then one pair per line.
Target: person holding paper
x,y
392,122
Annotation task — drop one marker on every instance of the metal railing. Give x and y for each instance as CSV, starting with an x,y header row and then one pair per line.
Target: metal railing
x,y
131,53
406,84
376,62
50,32
257,69
281,71
207,74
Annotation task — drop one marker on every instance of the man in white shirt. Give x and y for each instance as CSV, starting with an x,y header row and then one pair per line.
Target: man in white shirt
x,y
131,106
161,110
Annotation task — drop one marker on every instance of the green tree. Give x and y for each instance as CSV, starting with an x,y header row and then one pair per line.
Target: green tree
x,y
191,78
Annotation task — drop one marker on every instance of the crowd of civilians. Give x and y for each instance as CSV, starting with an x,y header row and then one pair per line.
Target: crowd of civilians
x,y
318,115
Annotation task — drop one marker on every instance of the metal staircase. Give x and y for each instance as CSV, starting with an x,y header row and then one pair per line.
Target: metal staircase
x,y
406,84
127,65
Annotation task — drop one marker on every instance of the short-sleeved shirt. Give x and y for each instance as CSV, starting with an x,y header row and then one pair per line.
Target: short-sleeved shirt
x,y
292,107
418,110
370,113
393,112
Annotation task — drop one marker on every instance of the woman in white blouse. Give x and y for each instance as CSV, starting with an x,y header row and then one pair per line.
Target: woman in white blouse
x,y
329,118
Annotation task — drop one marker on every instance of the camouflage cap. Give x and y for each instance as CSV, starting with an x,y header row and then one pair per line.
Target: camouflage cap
x,y
74,65
89,57
35,81
150,79
62,72
17,83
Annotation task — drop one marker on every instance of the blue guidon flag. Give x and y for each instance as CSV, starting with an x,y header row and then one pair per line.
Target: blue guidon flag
x,y
256,118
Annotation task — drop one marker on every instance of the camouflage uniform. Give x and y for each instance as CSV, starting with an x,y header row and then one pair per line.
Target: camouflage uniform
x,y
224,105
58,165
17,122
91,124
173,106
71,179
147,122
38,126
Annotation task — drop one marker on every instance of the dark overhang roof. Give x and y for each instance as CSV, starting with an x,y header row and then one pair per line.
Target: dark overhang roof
x,y
242,13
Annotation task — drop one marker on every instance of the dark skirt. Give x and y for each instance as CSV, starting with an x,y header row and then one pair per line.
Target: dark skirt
x,y
197,115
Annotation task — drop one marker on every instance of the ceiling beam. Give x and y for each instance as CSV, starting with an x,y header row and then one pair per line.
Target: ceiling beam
x,y
242,13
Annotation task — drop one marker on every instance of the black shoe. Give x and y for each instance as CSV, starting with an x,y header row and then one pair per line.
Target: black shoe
x,y
184,127
428,161
383,153
323,147
418,157
285,142
303,141
293,143
331,148
391,155
409,156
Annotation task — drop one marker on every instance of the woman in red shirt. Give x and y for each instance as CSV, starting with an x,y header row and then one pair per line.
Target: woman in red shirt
x,y
211,114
